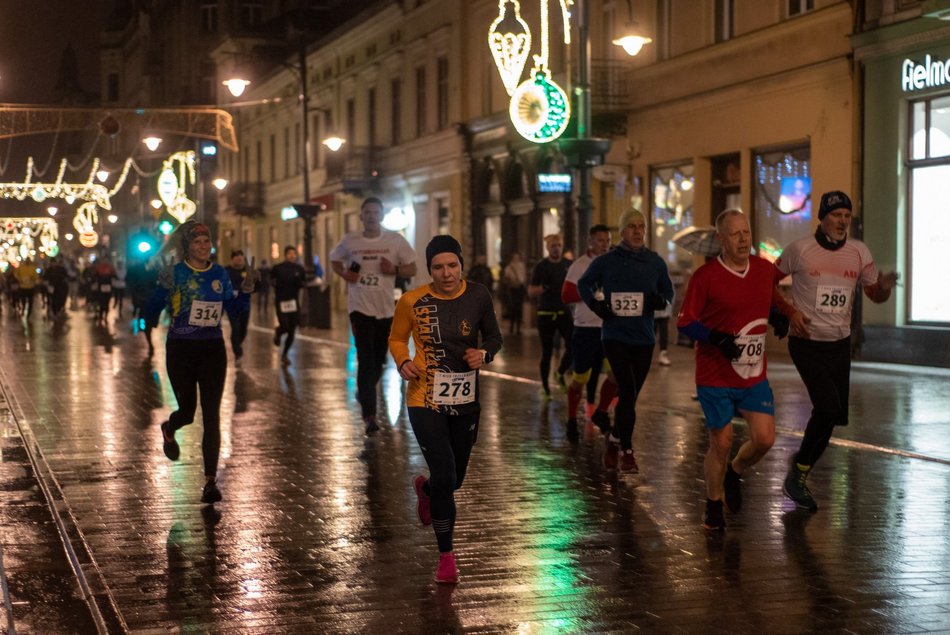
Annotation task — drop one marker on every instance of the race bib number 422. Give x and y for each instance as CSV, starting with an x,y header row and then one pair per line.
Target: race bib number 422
x,y
831,299
453,389
288,306
369,280
627,304
204,313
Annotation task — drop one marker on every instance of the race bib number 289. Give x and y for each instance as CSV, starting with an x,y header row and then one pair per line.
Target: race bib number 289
x,y
830,299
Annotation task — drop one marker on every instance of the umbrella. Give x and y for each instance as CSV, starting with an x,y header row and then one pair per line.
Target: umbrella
x,y
701,241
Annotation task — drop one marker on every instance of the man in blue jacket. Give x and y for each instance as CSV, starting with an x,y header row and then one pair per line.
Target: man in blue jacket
x,y
624,287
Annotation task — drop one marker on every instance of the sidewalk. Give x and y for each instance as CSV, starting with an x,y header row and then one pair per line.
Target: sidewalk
x,y
317,532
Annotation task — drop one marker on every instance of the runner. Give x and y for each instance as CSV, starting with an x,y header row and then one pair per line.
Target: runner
x,y
553,318
195,291
446,319
624,287
586,342
105,276
369,261
240,316
826,269
726,310
288,279
141,280
27,280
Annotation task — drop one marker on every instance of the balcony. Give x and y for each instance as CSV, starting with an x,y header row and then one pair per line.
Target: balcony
x,y
246,198
609,91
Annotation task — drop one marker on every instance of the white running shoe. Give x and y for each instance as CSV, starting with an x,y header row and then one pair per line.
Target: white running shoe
x,y
664,359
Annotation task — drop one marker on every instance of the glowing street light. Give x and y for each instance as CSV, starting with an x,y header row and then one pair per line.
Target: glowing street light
x,y
155,203
334,143
69,236
112,218
632,43
152,142
236,86
219,184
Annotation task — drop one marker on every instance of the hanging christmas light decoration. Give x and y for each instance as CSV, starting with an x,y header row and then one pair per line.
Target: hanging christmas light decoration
x,y
171,185
20,237
85,221
87,191
509,40
540,109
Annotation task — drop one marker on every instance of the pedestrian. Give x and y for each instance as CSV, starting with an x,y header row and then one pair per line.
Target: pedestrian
x,y
481,273
57,279
196,292
826,269
455,332
240,316
27,280
105,276
547,278
118,287
369,261
263,297
624,287
288,278
586,344
515,280
726,311
142,280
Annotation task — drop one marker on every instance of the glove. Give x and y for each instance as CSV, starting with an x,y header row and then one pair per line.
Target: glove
x,y
725,343
654,302
250,281
166,277
602,309
779,324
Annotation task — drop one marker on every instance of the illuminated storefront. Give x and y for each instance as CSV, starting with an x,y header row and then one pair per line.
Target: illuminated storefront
x,y
906,180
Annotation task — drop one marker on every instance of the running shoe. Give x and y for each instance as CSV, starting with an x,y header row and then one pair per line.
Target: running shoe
x,y
602,420
371,425
422,500
448,572
713,519
732,488
284,360
559,378
795,488
169,445
573,434
610,454
628,463
664,359
210,494
276,337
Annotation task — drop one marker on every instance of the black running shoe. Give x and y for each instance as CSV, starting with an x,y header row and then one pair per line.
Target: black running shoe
x,y
713,519
573,434
169,445
601,419
276,337
211,494
732,488
371,425
795,488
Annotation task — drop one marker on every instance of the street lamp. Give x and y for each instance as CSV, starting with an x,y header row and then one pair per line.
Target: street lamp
x,y
334,143
236,86
219,184
632,41
152,142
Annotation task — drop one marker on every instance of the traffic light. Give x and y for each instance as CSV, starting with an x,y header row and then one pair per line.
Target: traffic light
x,y
142,245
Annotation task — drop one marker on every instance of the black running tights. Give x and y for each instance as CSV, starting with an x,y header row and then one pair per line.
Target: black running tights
x,y
371,336
630,365
825,368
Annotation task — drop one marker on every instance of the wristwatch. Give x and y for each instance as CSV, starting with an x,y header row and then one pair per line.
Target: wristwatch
x,y
486,356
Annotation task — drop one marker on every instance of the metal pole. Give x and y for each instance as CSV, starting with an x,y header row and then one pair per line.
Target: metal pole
x,y
305,131
585,202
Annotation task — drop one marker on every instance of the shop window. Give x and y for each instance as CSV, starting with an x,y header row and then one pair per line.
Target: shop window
x,y
727,186
782,201
671,197
442,213
929,301
798,7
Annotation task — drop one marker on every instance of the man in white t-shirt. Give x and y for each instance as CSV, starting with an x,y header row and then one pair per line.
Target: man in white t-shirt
x,y
586,339
826,269
369,261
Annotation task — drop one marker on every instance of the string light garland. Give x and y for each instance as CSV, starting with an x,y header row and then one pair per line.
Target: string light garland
x,y
88,190
21,238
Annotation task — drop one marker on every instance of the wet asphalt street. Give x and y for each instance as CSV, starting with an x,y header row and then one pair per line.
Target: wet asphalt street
x,y
318,533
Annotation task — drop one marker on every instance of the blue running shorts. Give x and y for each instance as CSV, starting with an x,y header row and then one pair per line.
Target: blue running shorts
x,y
720,405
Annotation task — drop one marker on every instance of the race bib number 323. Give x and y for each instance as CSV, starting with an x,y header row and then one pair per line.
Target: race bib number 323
x,y
453,389
627,304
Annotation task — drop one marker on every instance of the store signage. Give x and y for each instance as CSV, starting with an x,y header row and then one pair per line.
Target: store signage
x,y
931,74
554,183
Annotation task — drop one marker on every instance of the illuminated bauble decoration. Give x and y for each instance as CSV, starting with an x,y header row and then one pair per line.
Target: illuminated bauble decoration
x,y
89,239
171,185
539,109
509,39
39,195
167,186
109,125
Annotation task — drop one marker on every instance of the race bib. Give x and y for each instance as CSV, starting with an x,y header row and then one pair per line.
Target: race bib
x,y
752,348
204,313
288,306
831,299
453,389
369,280
627,304
105,288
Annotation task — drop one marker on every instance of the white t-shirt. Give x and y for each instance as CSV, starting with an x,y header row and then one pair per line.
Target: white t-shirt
x,y
372,294
824,283
583,316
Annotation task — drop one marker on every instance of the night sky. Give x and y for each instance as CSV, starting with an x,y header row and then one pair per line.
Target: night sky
x,y
33,34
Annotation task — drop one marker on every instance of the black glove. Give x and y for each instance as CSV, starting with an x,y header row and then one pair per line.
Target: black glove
x,y
602,309
725,343
779,323
654,302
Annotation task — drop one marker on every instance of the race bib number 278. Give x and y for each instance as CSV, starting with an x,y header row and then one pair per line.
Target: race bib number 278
x,y
453,389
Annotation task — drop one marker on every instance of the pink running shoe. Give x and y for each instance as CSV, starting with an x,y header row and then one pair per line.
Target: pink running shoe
x,y
447,573
422,504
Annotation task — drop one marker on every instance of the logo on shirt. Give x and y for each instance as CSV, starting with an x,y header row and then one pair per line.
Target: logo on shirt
x,y
465,328
814,273
216,286
851,274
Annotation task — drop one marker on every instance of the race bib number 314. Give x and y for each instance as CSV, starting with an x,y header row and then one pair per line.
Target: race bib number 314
x,y
453,389
204,313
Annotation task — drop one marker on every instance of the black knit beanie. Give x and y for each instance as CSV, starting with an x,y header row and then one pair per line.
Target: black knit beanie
x,y
830,201
443,243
